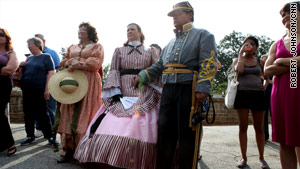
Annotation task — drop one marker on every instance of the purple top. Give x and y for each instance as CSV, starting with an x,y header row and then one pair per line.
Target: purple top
x,y
4,57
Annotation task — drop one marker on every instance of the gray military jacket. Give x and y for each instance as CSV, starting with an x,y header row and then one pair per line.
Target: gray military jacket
x,y
195,48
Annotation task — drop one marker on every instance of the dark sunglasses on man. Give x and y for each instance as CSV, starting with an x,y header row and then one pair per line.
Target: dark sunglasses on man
x,y
2,35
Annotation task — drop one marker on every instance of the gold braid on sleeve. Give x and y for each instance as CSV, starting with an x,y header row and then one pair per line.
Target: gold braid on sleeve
x,y
207,72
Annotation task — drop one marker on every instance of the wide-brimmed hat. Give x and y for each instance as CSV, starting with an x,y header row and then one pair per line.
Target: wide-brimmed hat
x,y
68,87
186,6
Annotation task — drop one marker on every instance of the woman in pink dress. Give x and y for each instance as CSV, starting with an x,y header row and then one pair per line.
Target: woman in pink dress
x,y
123,133
285,99
87,56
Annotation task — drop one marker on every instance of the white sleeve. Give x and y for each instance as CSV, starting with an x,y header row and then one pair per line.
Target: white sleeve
x,y
110,92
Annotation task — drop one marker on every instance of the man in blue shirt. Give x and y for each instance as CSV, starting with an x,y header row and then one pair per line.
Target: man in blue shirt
x,y
51,103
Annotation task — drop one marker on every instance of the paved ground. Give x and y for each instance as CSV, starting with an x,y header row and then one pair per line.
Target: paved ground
x,y
220,150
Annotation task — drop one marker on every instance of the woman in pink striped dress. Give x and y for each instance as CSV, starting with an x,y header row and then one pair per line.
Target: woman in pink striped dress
x,y
123,133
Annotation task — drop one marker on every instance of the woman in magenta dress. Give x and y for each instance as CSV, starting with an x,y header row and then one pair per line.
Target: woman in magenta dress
x,y
123,133
285,99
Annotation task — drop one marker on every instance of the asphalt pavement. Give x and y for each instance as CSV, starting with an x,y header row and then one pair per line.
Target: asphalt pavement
x,y
220,150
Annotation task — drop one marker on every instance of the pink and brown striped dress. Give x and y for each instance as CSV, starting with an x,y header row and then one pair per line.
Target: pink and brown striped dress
x,y
125,138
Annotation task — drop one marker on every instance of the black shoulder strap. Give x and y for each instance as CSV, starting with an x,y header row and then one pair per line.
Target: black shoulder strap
x,y
210,100
258,62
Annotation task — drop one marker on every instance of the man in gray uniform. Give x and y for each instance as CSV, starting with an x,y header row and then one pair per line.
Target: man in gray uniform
x,y
187,59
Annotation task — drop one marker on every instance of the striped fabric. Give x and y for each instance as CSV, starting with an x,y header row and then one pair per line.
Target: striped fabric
x,y
121,61
117,151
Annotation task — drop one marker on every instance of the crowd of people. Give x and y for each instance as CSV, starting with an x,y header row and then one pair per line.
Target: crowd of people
x,y
142,117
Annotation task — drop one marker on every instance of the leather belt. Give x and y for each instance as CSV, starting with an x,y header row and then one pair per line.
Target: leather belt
x,y
130,72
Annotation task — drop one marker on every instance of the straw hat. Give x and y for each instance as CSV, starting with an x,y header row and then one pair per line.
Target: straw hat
x,y
68,87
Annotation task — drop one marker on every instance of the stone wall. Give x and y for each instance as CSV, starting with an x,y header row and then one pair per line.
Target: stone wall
x,y
224,116
16,107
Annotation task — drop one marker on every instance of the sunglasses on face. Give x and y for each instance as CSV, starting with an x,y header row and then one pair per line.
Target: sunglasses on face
x,y
2,35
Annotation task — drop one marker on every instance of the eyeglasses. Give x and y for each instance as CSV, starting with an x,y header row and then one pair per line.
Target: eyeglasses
x,y
2,35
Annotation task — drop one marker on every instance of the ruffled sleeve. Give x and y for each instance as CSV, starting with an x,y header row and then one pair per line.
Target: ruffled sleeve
x,y
94,62
113,77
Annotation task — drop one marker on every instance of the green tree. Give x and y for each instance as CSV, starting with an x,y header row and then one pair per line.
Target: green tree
x,y
63,52
105,73
265,44
228,48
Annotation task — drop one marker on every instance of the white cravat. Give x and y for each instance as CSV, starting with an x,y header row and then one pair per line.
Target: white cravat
x,y
134,43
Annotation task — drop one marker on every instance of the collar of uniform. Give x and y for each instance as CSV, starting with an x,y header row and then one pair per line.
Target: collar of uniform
x,y
135,43
186,27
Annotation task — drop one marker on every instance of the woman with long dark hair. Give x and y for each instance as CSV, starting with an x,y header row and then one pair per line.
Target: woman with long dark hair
x,y
8,65
250,96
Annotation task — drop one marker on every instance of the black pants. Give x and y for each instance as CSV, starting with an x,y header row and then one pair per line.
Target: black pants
x,y
267,111
34,103
7,139
173,127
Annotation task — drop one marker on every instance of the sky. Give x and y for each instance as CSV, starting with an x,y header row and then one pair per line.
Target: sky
x,y
58,20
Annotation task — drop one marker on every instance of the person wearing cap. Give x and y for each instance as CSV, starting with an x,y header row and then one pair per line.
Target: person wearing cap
x,y
51,103
87,56
187,65
123,133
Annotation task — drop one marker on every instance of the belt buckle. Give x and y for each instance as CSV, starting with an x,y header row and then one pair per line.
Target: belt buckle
x,y
172,69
